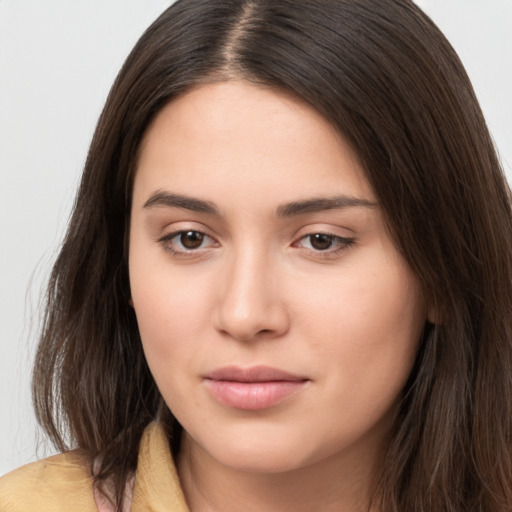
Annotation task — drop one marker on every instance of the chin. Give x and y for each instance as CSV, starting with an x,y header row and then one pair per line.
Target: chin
x,y
259,450
252,459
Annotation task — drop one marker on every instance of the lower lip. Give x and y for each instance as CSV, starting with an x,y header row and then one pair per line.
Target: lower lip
x,y
252,396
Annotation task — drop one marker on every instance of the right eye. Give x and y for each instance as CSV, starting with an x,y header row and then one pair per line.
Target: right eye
x,y
186,241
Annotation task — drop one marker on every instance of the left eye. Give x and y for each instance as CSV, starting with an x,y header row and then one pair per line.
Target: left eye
x,y
324,242
186,241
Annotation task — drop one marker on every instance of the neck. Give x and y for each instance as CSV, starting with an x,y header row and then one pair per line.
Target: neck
x,y
342,482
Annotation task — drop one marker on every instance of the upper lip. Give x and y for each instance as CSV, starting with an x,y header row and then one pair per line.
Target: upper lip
x,y
253,374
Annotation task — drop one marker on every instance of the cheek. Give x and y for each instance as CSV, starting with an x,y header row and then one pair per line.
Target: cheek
x,y
365,333
170,308
170,336
169,320
364,309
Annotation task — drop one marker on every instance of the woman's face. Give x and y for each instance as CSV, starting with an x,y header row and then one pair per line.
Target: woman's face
x,y
278,319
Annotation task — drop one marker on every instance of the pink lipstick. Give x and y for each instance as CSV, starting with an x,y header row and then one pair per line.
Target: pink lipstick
x,y
251,389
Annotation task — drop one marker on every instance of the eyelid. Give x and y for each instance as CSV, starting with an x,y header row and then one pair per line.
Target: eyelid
x,y
342,243
167,239
340,239
168,229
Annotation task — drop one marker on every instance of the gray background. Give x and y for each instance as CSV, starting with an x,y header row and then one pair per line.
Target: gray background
x,y
58,59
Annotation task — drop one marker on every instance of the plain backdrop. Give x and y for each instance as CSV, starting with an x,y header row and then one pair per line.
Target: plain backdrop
x,y
58,59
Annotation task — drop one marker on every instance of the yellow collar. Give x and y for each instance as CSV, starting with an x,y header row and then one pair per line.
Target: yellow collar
x,y
157,486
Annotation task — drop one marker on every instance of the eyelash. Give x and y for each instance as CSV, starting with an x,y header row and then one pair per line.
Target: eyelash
x,y
342,243
167,241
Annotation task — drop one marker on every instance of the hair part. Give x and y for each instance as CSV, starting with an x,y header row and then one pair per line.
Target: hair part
x,y
388,80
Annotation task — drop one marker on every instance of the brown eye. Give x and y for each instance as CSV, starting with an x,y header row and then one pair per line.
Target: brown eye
x,y
191,239
321,241
325,244
187,243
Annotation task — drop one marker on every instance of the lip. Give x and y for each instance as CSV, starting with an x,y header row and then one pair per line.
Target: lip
x,y
254,388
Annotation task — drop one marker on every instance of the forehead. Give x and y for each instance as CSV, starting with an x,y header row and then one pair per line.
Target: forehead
x,y
248,138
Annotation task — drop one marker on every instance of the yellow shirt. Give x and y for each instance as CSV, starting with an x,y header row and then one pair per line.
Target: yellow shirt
x,y
63,483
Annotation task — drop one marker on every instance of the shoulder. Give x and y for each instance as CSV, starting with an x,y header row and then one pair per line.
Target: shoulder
x,y
59,483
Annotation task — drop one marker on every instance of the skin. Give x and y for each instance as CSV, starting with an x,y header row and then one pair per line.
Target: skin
x,y
257,290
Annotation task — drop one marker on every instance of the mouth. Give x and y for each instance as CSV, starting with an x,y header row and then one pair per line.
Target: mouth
x,y
255,388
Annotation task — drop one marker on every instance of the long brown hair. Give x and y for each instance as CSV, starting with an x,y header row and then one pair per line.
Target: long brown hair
x,y
384,75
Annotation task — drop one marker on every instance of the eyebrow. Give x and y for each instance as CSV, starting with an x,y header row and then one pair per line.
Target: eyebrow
x,y
317,204
161,198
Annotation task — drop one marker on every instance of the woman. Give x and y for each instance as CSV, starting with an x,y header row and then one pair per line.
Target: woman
x,y
289,265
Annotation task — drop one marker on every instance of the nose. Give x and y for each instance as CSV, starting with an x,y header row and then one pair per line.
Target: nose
x,y
251,304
